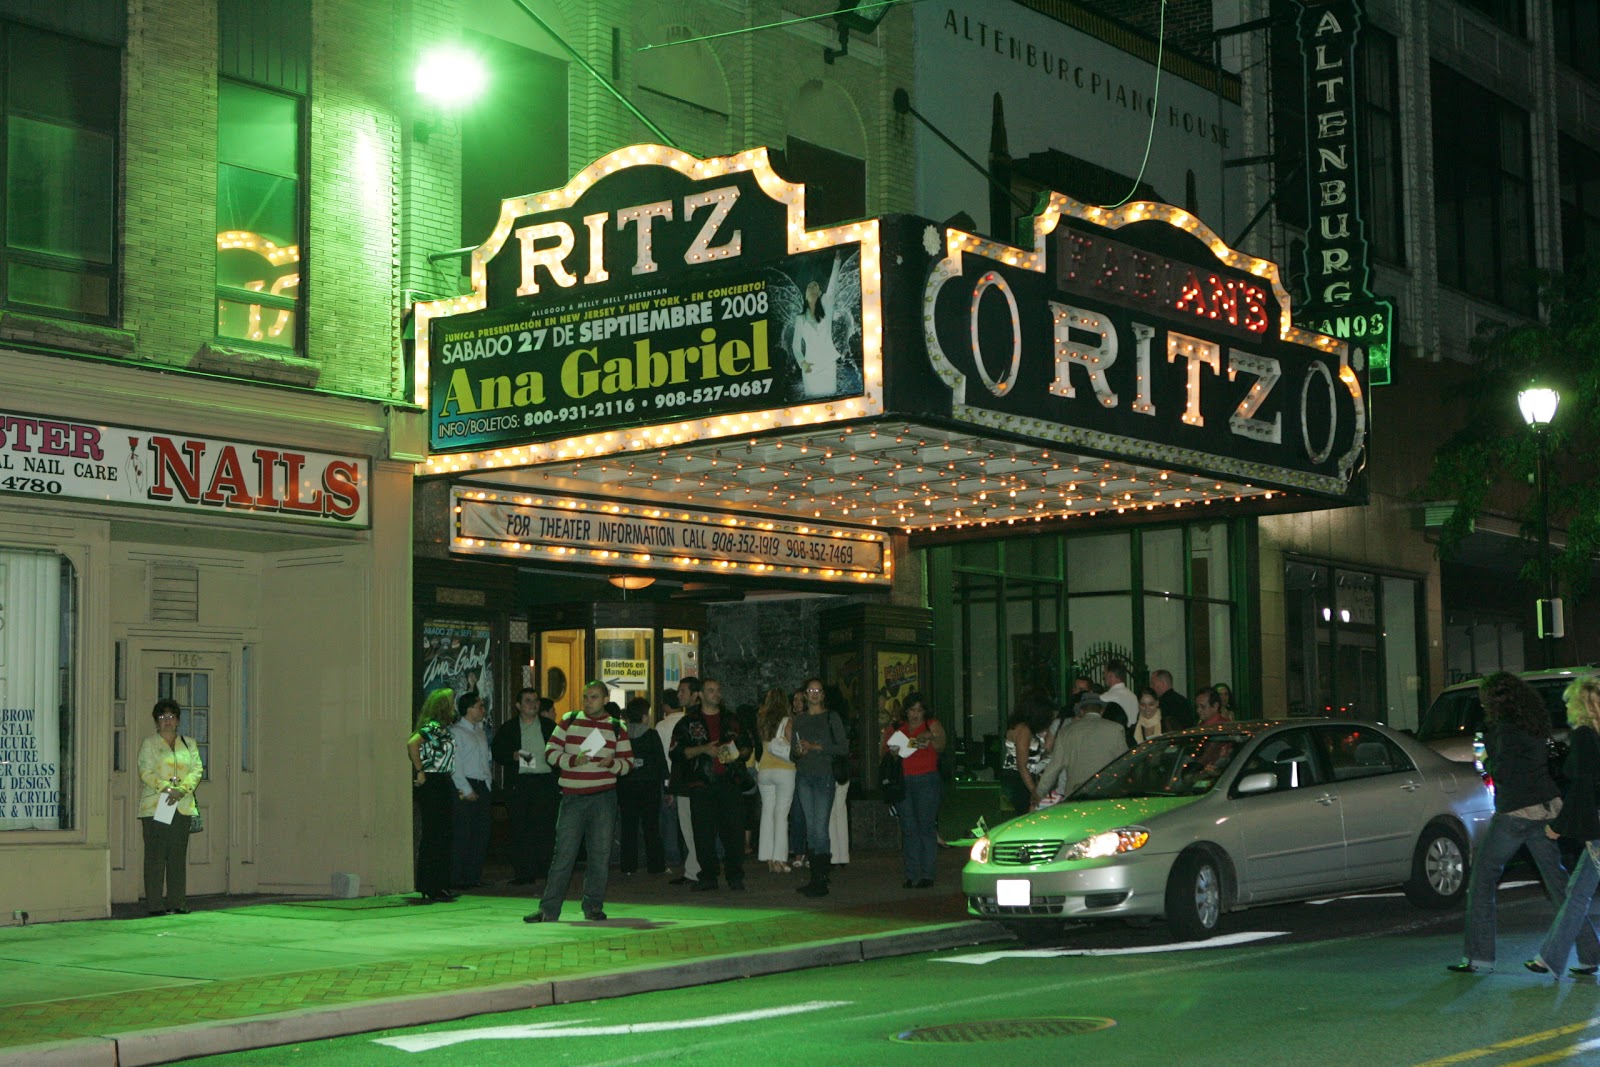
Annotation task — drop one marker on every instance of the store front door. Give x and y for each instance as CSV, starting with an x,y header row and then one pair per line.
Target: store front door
x,y
201,683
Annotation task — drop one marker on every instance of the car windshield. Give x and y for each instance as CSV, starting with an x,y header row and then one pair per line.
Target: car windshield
x,y
1174,766
1455,711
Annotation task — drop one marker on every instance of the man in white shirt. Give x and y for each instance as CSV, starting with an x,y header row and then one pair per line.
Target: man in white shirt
x,y
1117,691
472,773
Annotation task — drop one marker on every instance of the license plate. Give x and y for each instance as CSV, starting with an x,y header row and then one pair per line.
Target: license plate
x,y
1012,893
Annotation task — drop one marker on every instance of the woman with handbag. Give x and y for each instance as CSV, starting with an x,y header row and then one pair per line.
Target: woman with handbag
x,y
433,758
170,768
775,780
919,808
819,736
1578,819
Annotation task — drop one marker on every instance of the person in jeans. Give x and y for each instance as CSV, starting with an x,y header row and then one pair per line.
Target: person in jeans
x,y
589,773
919,810
1516,738
819,735
1579,820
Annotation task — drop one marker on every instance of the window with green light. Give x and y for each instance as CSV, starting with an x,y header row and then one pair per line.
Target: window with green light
x,y
59,103
260,215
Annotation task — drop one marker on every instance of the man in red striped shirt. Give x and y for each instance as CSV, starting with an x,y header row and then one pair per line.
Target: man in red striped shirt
x,y
589,770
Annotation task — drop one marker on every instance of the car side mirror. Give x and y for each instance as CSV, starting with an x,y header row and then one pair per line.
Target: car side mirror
x,y
1263,782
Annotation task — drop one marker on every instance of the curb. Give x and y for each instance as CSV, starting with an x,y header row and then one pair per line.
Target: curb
x,y
164,1045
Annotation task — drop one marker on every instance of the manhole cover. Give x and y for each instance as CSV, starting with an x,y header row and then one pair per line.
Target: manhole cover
x,y
1003,1030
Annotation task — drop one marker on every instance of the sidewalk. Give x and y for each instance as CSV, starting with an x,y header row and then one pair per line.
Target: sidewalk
x,y
231,977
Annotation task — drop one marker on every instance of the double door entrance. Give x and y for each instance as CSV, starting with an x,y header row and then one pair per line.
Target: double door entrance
x,y
203,682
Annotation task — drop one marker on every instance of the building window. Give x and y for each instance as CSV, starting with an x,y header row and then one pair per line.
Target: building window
x,y
1509,15
38,712
514,138
60,108
260,215
1483,198
1580,204
1029,613
1577,35
1351,644
1378,141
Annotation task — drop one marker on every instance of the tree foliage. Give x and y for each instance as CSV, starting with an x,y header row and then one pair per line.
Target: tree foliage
x,y
1494,446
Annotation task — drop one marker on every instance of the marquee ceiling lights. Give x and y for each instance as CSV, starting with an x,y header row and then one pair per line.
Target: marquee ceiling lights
x,y
899,475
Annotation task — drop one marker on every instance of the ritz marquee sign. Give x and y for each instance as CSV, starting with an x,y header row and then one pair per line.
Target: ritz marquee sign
x,y
1133,333
654,289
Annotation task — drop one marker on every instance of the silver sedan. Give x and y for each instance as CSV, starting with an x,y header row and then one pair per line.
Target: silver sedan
x,y
1194,824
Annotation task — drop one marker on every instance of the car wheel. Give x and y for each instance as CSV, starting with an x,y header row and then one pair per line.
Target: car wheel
x,y
1438,869
1040,932
1194,897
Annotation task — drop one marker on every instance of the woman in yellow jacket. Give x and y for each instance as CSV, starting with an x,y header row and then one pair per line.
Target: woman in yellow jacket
x,y
169,767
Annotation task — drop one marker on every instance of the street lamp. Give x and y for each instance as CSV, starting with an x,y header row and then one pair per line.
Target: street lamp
x,y
1538,406
450,76
447,78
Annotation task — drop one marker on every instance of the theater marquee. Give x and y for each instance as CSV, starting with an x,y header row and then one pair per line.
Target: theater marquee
x,y
655,298
1137,334
661,368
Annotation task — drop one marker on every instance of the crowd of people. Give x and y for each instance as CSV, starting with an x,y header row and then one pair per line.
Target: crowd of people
x,y
1050,751
701,790
698,788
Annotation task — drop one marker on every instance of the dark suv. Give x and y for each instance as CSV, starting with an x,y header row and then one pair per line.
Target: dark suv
x,y
1454,720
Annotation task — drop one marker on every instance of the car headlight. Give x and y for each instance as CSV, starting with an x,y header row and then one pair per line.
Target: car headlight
x,y
980,850
1110,843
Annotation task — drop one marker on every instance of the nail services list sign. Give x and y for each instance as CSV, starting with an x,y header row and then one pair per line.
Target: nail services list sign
x,y
51,457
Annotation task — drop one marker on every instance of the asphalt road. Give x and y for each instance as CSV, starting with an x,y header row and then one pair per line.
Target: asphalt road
x,y
1354,981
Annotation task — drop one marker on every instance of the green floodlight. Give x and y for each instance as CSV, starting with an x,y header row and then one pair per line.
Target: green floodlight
x,y
450,76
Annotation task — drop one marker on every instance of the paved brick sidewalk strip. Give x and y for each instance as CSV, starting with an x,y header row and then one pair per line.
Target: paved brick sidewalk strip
x,y
156,989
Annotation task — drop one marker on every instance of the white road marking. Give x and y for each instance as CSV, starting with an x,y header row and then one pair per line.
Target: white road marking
x,y
576,1028
1081,981
1385,896
1224,941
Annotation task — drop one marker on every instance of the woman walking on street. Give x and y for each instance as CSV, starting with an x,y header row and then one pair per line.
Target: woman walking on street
x,y
1577,820
1516,738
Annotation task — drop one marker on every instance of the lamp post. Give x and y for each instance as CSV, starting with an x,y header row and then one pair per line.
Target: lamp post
x,y
1538,406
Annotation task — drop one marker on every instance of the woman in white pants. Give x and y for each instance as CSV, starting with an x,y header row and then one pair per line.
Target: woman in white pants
x,y
775,780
